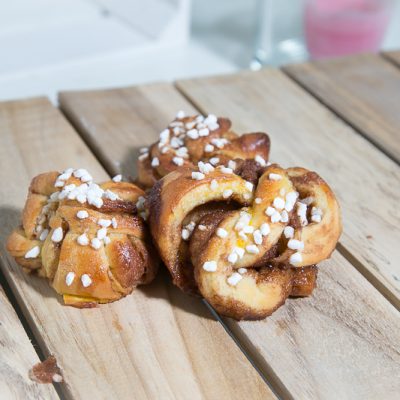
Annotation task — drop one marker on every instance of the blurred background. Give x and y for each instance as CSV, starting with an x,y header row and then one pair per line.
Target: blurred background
x,y
52,45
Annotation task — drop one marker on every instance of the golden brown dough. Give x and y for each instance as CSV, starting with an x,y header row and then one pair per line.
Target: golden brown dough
x,y
244,244
87,239
189,139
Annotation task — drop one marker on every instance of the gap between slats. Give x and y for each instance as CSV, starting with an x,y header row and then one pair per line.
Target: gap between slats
x,y
390,57
342,117
24,322
41,343
354,261
259,363
272,380
238,332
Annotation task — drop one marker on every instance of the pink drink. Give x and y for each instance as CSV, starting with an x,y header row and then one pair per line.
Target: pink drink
x,y
341,27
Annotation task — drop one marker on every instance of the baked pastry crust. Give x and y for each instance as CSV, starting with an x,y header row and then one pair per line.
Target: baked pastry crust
x,y
284,221
86,239
190,139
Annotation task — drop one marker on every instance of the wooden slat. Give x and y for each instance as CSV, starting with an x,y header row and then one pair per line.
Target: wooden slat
x,y
305,133
393,56
17,357
364,90
131,118
336,344
327,346
155,343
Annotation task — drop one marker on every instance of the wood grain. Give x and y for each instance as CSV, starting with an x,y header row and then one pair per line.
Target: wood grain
x,y
364,90
303,132
17,357
304,348
340,343
116,123
155,343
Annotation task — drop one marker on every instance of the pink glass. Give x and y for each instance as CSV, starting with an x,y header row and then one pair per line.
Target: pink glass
x,y
342,27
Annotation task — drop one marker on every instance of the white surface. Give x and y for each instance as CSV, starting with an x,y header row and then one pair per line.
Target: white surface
x,y
163,20
392,37
48,46
149,64
57,44
52,45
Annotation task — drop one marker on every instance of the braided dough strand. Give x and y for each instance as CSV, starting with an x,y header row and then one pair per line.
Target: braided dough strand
x,y
255,245
87,239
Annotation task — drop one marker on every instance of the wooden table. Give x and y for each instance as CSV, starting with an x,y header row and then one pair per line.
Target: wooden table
x,y
341,118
